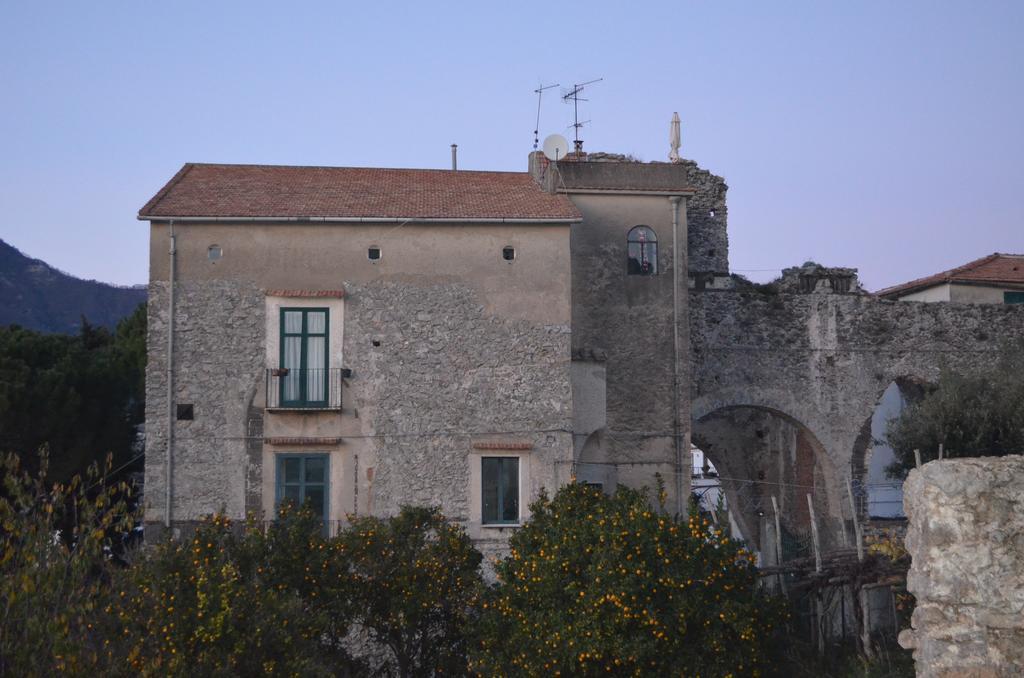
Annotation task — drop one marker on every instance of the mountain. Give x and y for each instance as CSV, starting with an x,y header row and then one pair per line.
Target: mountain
x,y
37,296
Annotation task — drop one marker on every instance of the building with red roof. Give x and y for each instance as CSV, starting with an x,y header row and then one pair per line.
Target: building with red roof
x,y
995,279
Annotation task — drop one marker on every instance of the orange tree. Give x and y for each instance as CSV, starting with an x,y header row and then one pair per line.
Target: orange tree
x,y
598,585
235,599
414,584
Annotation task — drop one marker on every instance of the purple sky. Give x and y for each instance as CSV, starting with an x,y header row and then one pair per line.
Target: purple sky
x,y
887,136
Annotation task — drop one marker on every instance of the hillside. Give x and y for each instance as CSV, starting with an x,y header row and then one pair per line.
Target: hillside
x,y
39,297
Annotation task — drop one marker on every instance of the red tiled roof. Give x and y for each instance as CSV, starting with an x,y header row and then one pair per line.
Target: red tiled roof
x,y
267,191
994,269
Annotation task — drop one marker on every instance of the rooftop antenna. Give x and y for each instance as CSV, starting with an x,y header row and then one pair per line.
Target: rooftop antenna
x,y
536,128
574,96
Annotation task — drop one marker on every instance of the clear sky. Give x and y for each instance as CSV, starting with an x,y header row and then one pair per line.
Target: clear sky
x,y
887,136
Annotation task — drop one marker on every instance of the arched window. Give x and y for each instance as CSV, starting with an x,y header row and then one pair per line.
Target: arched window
x,y
642,250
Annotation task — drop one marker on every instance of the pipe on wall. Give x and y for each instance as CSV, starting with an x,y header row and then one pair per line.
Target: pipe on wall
x,y
681,503
170,378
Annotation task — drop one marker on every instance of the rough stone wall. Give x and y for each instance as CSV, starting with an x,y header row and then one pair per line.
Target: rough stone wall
x,y
966,539
219,363
445,374
825,359
706,221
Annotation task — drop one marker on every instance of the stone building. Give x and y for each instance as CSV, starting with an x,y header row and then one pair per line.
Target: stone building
x,y
358,338
366,338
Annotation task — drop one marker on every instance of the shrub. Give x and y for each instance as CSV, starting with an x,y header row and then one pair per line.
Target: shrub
x,y
597,584
414,583
224,603
55,546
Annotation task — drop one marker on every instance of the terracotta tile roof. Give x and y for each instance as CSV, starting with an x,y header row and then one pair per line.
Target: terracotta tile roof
x,y
996,269
267,191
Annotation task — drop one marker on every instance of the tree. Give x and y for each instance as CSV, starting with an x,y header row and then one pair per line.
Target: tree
x,y
55,542
598,585
975,414
82,396
232,600
414,584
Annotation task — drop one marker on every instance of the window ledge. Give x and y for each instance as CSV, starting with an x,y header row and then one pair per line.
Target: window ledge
x,y
303,409
498,526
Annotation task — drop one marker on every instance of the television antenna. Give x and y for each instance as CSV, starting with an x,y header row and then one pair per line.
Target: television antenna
x,y
574,96
536,128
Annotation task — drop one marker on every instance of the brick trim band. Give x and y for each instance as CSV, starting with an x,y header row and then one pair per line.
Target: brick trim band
x,y
502,445
307,294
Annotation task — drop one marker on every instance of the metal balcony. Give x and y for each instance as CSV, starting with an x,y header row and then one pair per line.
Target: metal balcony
x,y
304,389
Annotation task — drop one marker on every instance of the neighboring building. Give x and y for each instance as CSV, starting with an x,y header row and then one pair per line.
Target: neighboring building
x,y
995,279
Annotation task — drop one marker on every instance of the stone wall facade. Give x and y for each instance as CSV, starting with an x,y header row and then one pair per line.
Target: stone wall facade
x,y
822,360
445,368
966,539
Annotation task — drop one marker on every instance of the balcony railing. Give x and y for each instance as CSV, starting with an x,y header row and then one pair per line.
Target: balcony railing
x,y
304,389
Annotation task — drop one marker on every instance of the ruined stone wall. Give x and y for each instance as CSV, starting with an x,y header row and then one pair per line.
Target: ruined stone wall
x,y
825,359
966,538
706,221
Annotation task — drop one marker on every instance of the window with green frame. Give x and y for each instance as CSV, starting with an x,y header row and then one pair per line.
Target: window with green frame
x,y
1013,297
304,354
303,479
500,491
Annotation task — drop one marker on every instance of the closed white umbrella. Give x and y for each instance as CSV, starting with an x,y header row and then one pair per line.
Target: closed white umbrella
x,y
673,139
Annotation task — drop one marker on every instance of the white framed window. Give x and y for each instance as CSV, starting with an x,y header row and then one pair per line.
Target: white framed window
x,y
499,490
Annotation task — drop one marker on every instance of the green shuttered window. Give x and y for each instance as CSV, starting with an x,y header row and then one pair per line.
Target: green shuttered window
x,y
303,479
304,354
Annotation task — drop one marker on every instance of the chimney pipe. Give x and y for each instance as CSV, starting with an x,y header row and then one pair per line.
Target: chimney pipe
x,y
455,151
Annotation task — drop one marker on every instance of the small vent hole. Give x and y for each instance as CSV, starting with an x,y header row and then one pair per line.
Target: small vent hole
x,y
373,254
214,252
508,253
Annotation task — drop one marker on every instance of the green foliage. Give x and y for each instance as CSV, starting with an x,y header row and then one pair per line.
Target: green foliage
x,y
51,575
977,414
599,585
415,582
82,396
233,600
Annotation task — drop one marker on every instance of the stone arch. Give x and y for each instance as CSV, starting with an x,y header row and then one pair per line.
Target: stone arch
x,y
761,450
866,470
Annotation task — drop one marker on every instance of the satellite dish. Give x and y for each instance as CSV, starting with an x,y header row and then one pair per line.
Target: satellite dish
x,y
555,147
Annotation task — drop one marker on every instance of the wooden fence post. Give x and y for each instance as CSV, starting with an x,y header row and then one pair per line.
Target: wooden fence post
x,y
856,523
778,545
814,534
